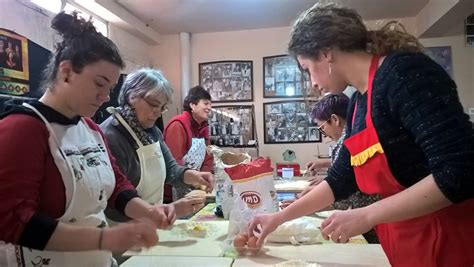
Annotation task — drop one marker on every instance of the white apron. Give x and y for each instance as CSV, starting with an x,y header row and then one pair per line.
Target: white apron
x,y
82,160
193,159
152,167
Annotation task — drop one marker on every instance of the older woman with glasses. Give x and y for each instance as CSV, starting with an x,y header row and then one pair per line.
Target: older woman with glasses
x,y
330,114
138,146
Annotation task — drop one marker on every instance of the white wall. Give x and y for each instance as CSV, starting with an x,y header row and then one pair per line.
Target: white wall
x,y
463,65
36,27
27,22
135,52
166,57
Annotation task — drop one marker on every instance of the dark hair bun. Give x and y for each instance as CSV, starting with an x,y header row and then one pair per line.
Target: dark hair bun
x,y
71,25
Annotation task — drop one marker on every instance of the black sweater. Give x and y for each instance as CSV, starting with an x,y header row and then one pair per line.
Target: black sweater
x,y
421,126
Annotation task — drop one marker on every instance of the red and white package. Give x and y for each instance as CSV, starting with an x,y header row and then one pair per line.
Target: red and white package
x,y
254,183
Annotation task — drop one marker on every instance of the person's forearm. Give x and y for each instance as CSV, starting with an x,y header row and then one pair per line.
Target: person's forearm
x,y
137,208
420,199
325,163
74,238
318,198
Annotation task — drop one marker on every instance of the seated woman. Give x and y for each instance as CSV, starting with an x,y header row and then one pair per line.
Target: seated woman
x,y
330,114
137,144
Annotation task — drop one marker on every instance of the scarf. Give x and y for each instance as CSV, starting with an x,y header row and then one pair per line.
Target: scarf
x,y
129,115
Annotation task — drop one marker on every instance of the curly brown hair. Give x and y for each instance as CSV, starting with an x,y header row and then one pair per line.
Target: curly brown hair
x,y
326,26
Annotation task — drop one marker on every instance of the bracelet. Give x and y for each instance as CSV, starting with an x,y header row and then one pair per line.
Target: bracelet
x,y
101,236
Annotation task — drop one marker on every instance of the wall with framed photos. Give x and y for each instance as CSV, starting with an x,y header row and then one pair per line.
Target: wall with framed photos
x,y
283,78
288,122
231,126
229,46
227,81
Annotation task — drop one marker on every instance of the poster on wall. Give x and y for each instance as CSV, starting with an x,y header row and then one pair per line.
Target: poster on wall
x,y
231,126
227,81
283,78
14,72
442,56
289,122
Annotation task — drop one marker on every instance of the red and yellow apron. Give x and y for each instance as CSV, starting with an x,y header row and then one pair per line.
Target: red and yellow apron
x,y
442,238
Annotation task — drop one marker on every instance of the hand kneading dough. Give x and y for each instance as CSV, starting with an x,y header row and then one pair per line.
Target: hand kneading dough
x,y
197,193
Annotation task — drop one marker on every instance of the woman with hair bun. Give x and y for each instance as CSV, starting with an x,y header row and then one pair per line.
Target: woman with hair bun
x,y
408,140
57,174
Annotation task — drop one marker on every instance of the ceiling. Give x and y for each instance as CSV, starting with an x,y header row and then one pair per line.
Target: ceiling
x,y
197,16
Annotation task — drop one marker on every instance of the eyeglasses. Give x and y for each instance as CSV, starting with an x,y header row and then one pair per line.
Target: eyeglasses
x,y
156,105
320,128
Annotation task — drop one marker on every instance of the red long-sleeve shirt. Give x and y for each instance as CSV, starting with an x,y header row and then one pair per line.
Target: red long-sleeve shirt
x,y
32,193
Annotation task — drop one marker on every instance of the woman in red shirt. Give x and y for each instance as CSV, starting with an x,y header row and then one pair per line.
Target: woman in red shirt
x,y
57,174
187,135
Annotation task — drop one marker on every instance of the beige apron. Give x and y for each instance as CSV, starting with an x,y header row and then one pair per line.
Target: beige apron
x,y
152,167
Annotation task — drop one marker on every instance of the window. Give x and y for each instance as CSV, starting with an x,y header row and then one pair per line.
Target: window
x,y
54,7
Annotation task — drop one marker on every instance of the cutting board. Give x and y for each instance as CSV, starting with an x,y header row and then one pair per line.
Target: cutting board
x,y
334,255
177,261
183,240
290,186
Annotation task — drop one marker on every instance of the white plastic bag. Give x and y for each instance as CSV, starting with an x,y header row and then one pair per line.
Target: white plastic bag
x,y
304,230
254,183
225,193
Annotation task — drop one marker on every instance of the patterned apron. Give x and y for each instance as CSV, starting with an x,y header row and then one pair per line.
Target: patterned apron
x,y
193,159
89,182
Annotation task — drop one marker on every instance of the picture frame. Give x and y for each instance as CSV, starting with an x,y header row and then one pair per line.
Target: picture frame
x,y
227,81
469,32
441,55
232,125
14,65
287,122
282,78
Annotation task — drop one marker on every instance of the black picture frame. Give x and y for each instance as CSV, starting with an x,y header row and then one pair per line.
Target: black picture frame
x,y
227,81
232,125
289,122
282,78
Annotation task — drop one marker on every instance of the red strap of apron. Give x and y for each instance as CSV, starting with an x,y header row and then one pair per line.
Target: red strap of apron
x,y
374,64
